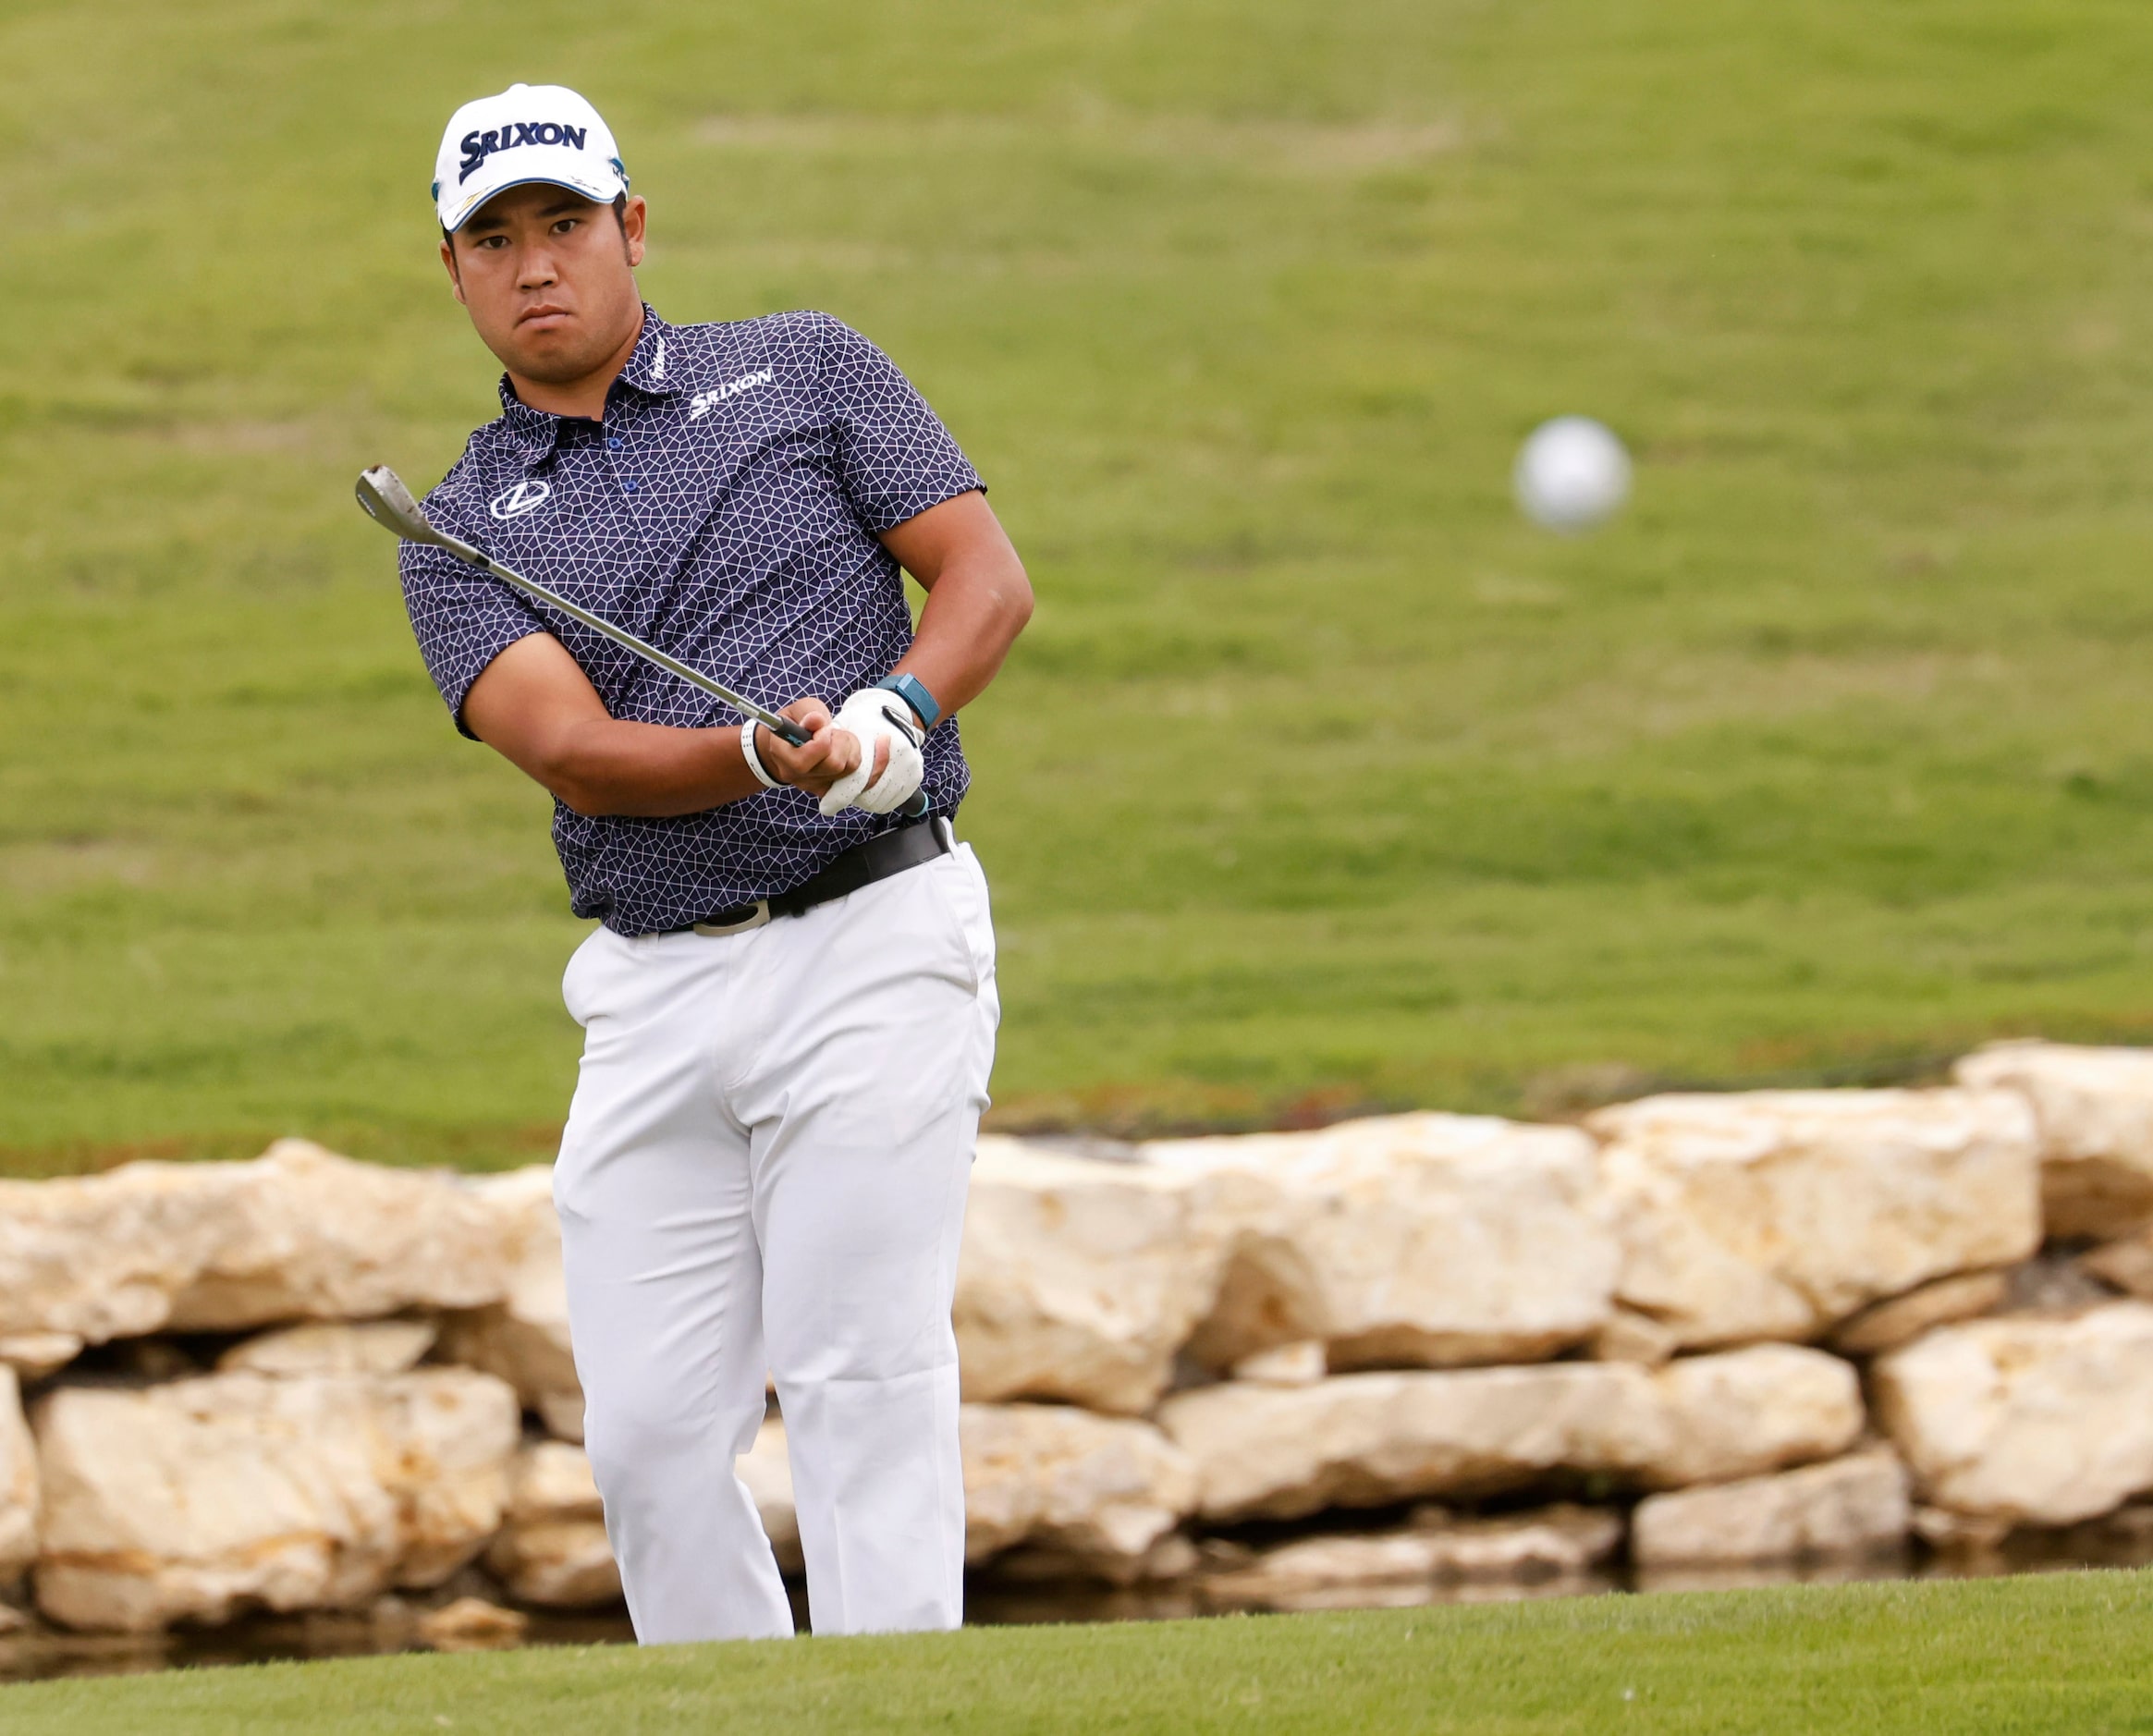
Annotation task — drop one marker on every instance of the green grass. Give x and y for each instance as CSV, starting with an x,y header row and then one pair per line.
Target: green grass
x,y
1320,779
2068,1653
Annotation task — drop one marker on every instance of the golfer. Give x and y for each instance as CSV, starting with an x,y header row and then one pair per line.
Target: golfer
x,y
790,1003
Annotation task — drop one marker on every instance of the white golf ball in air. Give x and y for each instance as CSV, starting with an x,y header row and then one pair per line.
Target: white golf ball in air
x,y
1572,474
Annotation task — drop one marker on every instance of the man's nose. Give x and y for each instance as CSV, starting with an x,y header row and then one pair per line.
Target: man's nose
x,y
535,270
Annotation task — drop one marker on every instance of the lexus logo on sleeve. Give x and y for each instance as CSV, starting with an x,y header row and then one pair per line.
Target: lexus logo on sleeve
x,y
513,503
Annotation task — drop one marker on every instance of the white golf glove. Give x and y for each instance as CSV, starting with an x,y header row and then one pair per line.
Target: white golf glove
x,y
876,714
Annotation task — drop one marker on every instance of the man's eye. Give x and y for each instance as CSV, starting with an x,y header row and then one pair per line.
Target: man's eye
x,y
564,226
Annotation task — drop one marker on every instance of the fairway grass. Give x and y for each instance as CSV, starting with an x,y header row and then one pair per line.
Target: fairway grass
x,y
2064,1653
1320,782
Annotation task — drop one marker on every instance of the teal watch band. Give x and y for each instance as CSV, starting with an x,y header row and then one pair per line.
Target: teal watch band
x,y
913,691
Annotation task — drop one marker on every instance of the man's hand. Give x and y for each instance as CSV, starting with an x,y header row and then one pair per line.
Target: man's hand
x,y
882,721
831,757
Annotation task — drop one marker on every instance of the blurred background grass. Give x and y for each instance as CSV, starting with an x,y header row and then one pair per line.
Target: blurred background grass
x,y
1320,780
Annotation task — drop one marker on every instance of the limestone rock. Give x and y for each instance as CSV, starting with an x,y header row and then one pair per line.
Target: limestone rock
x,y
523,1333
472,1624
1950,1533
553,1480
1887,1324
2094,1109
296,1233
1778,1213
1102,1490
1301,1365
1371,1439
767,1471
1630,1336
562,1414
229,1491
2053,1282
1744,1412
147,1360
375,1347
33,1356
1410,1240
1096,1496
18,1483
1078,1279
1852,1506
2040,1420
1312,1566
1561,1542
552,1550
1174,1556
2128,1265
1557,1542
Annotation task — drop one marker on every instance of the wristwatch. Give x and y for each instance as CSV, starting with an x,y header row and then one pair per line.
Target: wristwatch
x,y
913,691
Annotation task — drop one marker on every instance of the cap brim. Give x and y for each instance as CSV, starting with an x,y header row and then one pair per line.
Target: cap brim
x,y
455,213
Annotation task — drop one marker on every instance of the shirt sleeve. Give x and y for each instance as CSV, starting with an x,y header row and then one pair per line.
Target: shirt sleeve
x,y
894,458
461,619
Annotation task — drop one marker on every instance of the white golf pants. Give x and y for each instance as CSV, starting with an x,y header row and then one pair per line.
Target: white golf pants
x,y
765,1167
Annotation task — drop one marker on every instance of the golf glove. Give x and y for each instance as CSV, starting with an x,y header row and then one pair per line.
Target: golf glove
x,y
876,714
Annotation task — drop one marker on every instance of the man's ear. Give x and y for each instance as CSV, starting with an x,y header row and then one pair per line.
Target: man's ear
x,y
631,227
448,260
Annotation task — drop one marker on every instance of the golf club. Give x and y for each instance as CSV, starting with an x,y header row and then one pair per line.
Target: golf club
x,y
389,504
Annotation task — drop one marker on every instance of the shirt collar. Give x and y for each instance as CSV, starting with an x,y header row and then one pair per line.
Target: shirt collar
x,y
649,371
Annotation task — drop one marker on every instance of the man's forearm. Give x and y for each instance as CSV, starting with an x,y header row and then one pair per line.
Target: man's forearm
x,y
601,765
535,707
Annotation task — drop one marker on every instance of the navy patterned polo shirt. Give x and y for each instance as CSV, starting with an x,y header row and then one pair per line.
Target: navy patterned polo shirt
x,y
726,510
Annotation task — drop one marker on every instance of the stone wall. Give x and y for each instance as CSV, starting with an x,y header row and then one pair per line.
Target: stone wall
x,y
1344,1365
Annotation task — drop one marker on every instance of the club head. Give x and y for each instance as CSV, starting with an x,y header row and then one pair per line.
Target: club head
x,y
389,504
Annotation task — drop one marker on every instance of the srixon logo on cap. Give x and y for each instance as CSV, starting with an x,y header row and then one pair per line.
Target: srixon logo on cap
x,y
479,146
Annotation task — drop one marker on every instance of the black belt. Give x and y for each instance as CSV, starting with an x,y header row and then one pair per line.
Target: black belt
x,y
863,865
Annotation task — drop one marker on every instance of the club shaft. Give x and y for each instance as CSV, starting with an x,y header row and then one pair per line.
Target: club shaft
x,y
385,499
782,726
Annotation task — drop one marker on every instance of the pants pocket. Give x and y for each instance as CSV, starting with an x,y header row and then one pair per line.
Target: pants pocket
x,y
963,889
577,979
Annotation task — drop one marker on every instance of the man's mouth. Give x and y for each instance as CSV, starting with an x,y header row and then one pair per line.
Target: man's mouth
x,y
545,316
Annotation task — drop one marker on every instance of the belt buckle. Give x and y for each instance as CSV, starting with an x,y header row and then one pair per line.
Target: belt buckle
x,y
717,931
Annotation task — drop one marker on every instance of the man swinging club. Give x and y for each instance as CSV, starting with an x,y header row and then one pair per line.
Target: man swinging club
x,y
789,1006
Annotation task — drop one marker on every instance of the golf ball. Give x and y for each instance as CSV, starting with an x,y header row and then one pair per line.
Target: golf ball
x,y
1572,474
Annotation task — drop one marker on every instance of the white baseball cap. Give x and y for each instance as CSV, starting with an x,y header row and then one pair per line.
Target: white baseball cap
x,y
529,132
